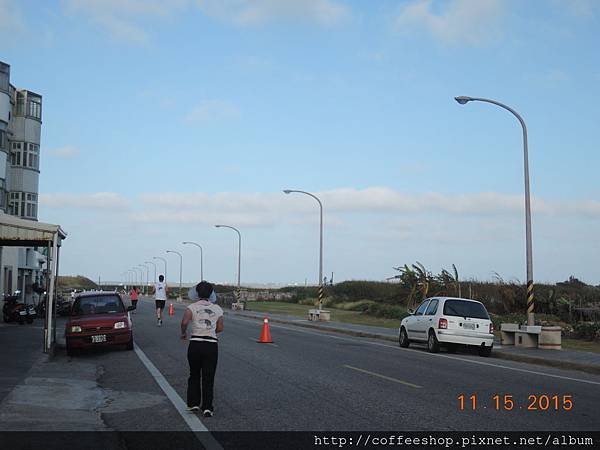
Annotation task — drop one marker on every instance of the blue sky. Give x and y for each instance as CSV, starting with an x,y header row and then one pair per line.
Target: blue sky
x,y
162,118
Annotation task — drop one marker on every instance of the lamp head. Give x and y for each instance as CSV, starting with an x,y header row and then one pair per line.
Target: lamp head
x,y
287,191
462,99
218,226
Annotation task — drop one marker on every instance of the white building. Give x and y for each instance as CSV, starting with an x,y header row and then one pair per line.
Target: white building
x,y
20,128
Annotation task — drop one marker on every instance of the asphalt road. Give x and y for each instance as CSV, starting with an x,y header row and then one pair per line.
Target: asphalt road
x,y
309,380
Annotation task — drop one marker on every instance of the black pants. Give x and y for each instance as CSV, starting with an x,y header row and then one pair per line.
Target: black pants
x,y
134,303
202,357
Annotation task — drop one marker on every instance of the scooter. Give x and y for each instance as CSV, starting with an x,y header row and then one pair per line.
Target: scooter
x,y
15,311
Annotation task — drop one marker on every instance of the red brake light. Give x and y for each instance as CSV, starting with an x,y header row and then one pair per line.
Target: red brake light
x,y
443,324
491,328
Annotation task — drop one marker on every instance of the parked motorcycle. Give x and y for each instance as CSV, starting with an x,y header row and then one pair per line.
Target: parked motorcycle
x,y
15,311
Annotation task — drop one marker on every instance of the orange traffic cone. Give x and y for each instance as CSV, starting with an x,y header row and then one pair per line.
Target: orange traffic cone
x,y
171,310
265,335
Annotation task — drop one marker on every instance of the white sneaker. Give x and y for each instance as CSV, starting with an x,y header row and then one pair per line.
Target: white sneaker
x,y
207,413
193,408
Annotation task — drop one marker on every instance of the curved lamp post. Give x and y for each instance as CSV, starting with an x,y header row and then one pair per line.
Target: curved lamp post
x,y
150,262
147,277
530,298
165,261
289,191
201,257
180,270
239,252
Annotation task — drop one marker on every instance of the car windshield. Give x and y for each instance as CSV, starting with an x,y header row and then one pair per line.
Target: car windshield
x,y
462,308
98,304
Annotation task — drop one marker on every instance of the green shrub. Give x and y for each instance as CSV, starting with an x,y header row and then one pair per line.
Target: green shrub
x,y
361,305
587,330
387,311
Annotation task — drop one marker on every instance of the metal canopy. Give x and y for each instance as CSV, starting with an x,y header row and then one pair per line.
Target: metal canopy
x,y
16,232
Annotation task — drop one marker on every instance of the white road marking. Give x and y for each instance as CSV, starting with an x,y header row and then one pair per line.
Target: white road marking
x,y
406,383
191,419
417,352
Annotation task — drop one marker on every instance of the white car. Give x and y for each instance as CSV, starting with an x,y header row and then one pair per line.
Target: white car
x,y
449,322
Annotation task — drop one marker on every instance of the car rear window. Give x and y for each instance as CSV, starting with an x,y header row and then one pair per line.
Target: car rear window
x,y
98,304
465,309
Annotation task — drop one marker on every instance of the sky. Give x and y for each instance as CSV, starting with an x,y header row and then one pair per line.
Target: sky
x,y
162,118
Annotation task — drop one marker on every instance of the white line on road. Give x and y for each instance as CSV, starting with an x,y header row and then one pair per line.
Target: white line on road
x,y
191,419
417,352
406,383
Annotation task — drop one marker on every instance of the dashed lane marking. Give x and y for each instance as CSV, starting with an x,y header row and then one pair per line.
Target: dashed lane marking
x,y
418,352
395,380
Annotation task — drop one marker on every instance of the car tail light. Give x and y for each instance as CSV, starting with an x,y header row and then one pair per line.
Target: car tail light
x,y
443,324
491,328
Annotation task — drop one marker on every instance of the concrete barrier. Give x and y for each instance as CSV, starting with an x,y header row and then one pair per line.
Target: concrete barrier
x,y
550,338
320,315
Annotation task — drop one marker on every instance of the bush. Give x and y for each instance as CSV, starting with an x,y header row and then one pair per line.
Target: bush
x,y
587,330
387,311
361,305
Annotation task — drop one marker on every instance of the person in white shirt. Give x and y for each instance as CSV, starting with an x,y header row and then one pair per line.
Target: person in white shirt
x,y
160,298
206,319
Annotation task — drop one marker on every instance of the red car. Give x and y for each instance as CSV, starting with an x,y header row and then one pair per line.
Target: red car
x,y
98,319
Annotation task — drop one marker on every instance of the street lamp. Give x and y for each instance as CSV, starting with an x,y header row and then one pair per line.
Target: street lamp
x,y
239,253
147,276
165,261
134,278
150,262
201,263
180,270
530,299
136,268
321,294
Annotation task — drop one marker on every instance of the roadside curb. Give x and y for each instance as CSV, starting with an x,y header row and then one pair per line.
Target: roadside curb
x,y
499,354
317,327
593,369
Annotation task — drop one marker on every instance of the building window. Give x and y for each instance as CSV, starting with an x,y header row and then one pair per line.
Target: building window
x,y
20,111
2,193
4,77
2,139
34,107
23,204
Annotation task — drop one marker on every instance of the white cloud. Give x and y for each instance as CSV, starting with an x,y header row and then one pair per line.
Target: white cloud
x,y
65,152
268,208
458,21
123,19
105,201
213,110
248,12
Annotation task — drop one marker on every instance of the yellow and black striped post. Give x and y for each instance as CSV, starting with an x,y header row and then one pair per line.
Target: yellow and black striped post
x,y
530,300
321,296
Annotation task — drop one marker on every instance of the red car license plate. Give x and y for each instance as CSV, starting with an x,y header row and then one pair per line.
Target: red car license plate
x,y
99,338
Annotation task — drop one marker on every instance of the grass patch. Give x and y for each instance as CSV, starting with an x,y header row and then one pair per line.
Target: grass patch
x,y
337,315
581,345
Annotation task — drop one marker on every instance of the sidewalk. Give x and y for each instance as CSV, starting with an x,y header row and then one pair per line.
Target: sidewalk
x,y
565,359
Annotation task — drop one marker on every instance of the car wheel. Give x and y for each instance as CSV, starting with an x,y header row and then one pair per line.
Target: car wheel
x,y
70,350
6,317
485,351
403,339
451,348
129,344
432,343
29,319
